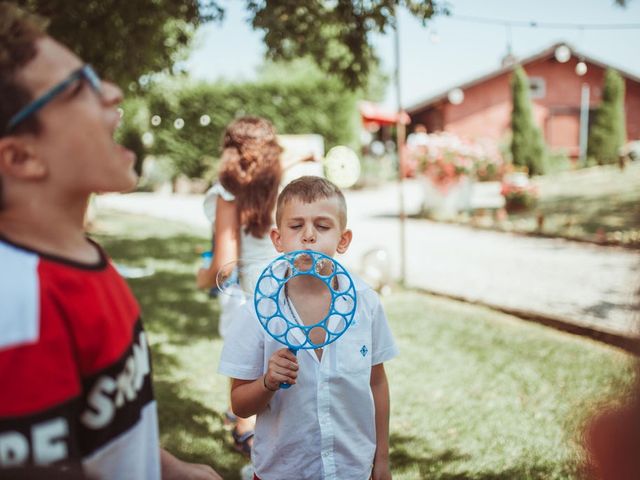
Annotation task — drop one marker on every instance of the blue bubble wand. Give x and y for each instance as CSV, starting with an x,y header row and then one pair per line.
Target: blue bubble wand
x,y
270,296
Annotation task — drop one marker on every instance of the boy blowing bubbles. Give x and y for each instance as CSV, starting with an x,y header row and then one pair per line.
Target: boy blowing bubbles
x,y
334,422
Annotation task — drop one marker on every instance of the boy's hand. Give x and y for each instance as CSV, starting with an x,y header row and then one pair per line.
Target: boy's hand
x,y
283,368
381,470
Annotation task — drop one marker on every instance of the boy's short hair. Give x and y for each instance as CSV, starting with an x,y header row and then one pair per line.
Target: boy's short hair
x,y
19,32
308,189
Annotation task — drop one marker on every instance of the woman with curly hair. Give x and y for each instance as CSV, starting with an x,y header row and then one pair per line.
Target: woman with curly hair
x,y
240,207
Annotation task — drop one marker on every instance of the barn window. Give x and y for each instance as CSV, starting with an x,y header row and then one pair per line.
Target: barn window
x,y
537,87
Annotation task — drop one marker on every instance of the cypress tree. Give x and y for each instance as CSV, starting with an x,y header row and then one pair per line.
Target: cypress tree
x,y
608,132
527,145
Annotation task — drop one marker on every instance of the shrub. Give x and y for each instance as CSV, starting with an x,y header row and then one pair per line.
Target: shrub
x,y
315,104
608,132
518,199
527,145
557,162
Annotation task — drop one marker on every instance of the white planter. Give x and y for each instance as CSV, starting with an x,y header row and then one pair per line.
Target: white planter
x,y
446,203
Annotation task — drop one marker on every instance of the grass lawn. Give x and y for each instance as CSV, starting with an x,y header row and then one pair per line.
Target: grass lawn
x,y
475,394
599,204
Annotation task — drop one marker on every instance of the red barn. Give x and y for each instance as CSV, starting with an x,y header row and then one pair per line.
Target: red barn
x,y
482,108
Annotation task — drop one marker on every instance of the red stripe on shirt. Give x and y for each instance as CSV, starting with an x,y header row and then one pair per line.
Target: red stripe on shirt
x,y
79,309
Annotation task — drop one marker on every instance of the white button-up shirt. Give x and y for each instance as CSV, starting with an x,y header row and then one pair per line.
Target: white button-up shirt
x,y
323,427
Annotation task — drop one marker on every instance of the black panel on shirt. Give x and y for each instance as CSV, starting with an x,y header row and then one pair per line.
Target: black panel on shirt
x,y
115,396
48,437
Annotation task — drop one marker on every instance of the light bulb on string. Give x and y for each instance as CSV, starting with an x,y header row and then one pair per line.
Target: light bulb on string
x,y
455,96
581,66
156,120
178,124
562,54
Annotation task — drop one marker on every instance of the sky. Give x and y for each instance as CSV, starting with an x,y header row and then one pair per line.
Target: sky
x,y
449,51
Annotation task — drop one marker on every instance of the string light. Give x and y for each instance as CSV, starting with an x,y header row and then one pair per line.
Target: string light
x,y
550,25
562,54
581,68
455,96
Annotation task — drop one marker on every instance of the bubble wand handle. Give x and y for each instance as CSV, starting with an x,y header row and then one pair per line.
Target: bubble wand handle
x,y
286,385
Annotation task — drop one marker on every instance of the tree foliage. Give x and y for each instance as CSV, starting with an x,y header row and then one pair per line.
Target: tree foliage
x,y
334,33
608,132
527,144
125,39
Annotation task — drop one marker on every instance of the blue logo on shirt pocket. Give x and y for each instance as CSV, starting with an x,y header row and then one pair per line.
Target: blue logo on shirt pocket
x,y
354,354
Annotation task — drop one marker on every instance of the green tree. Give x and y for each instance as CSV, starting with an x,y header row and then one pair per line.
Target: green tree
x,y
608,132
336,34
125,39
527,145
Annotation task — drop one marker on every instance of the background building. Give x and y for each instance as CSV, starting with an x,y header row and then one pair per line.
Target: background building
x,y
481,108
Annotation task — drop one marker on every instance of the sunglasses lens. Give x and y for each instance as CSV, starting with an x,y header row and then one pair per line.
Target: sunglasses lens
x,y
93,79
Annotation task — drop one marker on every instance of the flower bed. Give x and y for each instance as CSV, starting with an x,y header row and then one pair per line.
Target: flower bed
x,y
445,158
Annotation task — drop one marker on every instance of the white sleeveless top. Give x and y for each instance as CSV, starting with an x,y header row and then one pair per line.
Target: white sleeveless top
x,y
255,253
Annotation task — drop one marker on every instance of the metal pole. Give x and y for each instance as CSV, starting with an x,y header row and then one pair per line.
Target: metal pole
x,y
400,138
584,123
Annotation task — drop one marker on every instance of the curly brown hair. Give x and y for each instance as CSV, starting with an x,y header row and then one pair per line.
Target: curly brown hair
x,y
19,32
251,171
